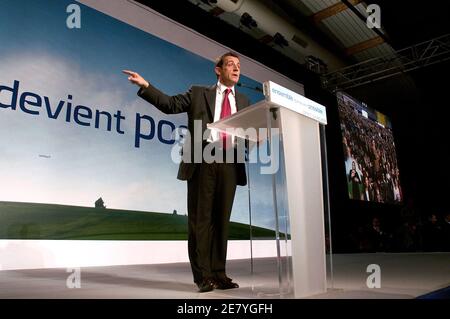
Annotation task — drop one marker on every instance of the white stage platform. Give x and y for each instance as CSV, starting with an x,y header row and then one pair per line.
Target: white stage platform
x,y
403,276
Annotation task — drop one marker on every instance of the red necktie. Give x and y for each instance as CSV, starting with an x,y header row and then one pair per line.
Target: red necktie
x,y
225,112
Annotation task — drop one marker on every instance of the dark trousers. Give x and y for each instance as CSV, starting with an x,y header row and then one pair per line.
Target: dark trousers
x,y
210,199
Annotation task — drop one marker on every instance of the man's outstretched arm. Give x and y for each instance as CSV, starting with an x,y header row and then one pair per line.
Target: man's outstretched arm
x,y
165,103
136,78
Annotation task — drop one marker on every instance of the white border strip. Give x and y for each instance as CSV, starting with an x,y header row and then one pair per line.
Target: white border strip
x,y
37,254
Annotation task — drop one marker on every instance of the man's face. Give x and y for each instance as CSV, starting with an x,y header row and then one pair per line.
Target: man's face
x,y
230,71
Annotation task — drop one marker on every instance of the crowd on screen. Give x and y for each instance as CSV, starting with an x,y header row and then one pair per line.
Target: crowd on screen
x,y
372,175
370,157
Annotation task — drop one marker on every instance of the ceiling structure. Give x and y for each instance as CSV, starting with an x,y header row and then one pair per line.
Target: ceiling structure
x,y
415,101
337,26
310,31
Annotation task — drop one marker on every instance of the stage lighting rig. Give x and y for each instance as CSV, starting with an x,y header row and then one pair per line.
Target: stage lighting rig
x,y
248,21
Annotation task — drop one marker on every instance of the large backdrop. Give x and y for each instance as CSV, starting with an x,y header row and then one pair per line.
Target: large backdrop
x,y
73,132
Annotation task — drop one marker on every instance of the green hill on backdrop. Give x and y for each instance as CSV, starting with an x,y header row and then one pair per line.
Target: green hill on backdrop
x,y
50,221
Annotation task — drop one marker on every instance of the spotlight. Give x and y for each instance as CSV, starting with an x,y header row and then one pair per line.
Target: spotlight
x,y
247,20
280,40
316,65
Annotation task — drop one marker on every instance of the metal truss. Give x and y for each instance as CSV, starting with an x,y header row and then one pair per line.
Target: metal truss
x,y
402,61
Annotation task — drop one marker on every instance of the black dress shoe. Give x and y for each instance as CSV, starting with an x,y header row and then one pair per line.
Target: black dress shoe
x,y
226,283
207,285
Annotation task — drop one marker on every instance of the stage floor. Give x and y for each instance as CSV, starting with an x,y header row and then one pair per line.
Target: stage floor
x,y
404,276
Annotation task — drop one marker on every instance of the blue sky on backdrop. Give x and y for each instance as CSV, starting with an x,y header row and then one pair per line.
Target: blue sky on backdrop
x,y
54,161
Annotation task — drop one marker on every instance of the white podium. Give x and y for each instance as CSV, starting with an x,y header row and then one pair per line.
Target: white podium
x,y
295,121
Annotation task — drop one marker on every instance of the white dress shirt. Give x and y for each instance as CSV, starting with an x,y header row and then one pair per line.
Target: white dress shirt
x,y
220,94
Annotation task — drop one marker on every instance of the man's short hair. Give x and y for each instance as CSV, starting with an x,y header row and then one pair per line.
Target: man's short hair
x,y
219,60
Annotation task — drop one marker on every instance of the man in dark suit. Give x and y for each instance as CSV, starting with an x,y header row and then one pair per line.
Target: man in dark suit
x,y
211,186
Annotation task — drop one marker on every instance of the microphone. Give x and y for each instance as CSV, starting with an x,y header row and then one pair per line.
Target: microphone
x,y
254,88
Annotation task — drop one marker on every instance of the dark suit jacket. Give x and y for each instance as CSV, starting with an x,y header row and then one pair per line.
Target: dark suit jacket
x,y
199,103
